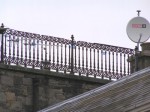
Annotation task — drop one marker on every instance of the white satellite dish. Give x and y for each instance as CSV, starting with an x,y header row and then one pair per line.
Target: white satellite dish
x,y
138,29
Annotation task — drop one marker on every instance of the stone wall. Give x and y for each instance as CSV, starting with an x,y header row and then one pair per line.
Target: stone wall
x,y
15,92
29,90
141,59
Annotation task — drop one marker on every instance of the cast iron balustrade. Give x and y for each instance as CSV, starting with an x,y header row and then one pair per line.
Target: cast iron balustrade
x,y
64,55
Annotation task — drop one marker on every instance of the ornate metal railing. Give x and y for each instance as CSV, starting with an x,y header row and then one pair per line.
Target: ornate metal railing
x,y
64,55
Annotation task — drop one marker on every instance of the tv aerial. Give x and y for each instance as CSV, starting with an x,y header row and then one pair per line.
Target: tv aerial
x,y
138,31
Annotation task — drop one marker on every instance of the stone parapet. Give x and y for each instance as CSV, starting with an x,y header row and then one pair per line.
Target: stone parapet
x,y
28,90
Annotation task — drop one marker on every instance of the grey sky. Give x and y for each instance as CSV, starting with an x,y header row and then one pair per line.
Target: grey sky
x,y
98,21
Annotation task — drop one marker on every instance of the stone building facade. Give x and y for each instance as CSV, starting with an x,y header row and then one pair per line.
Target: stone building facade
x,y
28,90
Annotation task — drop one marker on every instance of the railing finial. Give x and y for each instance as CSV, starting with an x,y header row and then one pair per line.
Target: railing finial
x,y
2,25
72,37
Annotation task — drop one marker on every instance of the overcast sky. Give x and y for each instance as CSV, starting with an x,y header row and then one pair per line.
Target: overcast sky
x,y
98,21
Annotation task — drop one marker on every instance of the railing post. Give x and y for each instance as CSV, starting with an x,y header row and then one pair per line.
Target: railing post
x,y
2,31
72,63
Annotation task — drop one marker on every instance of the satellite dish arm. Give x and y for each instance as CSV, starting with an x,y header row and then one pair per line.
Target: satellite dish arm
x,y
139,42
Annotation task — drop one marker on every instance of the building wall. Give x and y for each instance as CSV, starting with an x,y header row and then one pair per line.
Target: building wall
x,y
29,90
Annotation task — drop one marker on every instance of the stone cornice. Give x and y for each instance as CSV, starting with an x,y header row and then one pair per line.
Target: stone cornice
x,y
48,73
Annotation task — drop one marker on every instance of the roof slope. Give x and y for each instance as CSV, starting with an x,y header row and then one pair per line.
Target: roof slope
x,y
129,94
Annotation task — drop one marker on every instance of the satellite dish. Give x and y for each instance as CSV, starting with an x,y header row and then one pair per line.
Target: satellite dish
x,y
138,29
